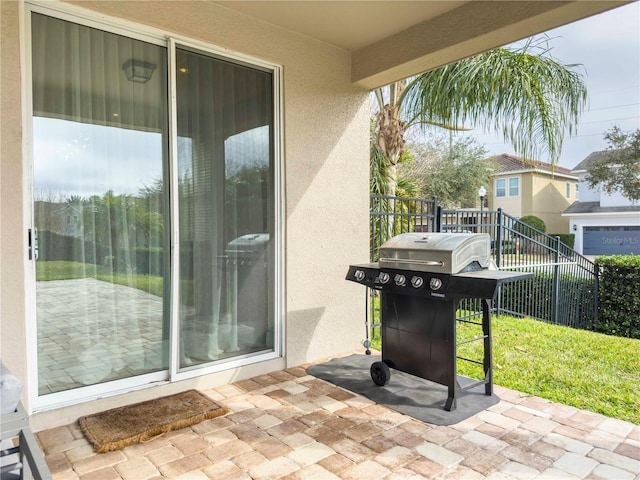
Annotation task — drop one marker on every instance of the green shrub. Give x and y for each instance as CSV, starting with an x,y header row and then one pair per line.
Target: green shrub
x,y
150,260
508,247
532,221
567,238
53,246
619,295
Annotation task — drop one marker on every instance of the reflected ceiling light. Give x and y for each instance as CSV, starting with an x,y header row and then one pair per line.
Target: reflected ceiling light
x,y
138,71
184,70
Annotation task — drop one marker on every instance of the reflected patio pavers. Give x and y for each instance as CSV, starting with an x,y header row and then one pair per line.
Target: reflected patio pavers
x,y
293,426
91,331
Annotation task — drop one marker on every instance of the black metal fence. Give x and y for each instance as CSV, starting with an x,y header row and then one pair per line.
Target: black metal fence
x,y
564,286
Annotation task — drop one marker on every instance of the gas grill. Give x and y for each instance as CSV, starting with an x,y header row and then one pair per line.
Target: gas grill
x,y
422,277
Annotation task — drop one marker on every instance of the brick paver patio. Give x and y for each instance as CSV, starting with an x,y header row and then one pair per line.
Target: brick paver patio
x,y
92,331
293,426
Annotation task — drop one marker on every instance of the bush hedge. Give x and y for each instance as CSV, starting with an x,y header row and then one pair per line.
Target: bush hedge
x,y
53,246
532,221
150,260
619,295
568,239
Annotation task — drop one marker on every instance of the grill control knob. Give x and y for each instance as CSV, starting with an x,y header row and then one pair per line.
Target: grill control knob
x,y
383,277
435,283
359,274
417,282
400,280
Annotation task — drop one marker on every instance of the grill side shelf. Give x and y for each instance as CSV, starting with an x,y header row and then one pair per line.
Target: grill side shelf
x,y
500,276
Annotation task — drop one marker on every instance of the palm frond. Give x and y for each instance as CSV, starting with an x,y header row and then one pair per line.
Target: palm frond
x,y
407,187
525,94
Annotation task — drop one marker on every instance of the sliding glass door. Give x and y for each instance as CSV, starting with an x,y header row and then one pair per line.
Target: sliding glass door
x,y
103,225
226,211
100,163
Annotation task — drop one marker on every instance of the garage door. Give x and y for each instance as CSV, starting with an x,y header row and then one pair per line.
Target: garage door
x,y
611,241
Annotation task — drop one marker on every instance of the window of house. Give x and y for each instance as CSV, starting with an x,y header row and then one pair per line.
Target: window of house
x,y
514,187
568,190
577,190
501,188
102,110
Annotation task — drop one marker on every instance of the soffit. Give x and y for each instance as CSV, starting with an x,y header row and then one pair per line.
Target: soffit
x,y
349,25
392,40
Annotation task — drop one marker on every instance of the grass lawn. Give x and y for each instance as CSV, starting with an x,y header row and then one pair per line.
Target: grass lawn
x,y
583,369
61,270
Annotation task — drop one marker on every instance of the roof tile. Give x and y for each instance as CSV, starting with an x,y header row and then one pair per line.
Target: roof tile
x,y
512,163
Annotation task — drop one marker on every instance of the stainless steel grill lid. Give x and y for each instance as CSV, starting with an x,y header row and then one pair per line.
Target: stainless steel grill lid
x,y
448,253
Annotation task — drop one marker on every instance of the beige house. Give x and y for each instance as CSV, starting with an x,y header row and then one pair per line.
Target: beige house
x,y
533,188
228,143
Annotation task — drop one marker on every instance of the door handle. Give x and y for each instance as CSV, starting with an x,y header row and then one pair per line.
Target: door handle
x,y
32,244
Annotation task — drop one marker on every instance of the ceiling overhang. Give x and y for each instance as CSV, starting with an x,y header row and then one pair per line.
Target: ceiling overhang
x,y
392,40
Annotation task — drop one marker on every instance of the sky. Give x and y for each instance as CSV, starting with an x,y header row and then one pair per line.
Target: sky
x,y
74,158
608,47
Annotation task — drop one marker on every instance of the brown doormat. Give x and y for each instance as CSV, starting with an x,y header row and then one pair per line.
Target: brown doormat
x,y
140,422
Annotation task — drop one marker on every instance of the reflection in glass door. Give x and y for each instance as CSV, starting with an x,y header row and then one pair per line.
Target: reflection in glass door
x,y
101,172
100,156
226,208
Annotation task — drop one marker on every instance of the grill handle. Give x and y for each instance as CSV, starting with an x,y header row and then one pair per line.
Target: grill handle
x,y
430,263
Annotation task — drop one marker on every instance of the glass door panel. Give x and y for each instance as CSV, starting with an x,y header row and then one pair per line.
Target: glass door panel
x,y
226,208
100,206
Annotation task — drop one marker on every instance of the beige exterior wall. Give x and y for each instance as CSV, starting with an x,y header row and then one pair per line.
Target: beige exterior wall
x,y
526,194
541,195
12,233
511,205
326,122
548,200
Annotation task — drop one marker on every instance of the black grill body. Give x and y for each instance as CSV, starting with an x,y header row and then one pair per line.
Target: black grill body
x,y
418,321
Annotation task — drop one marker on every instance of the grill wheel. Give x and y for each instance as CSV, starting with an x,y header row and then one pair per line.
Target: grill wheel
x,y
380,373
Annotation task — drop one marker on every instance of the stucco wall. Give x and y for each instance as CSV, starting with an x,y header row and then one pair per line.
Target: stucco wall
x,y
326,167
595,194
587,194
540,195
511,205
12,234
548,200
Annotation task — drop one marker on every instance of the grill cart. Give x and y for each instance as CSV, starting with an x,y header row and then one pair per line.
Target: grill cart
x,y
422,277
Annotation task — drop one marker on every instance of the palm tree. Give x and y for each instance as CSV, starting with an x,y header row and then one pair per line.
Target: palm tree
x,y
524,93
